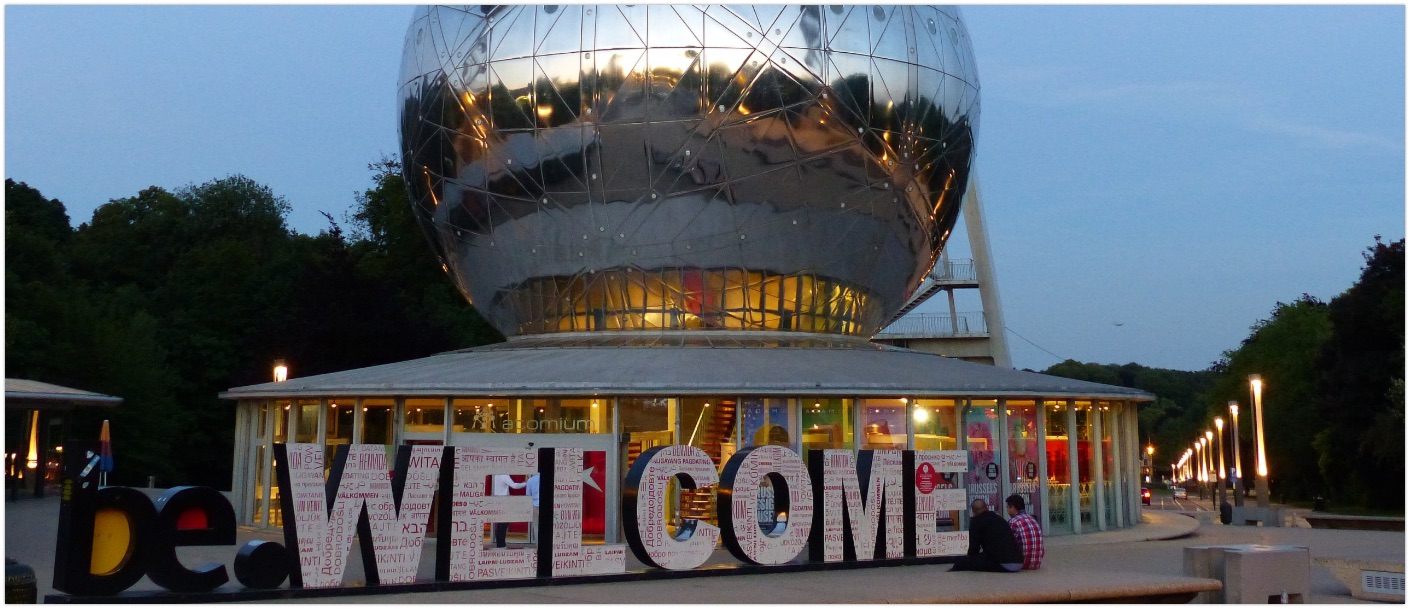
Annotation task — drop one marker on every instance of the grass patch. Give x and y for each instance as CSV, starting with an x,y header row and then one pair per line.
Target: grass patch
x,y
1356,510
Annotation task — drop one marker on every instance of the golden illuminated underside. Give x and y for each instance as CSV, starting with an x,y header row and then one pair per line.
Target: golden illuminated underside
x,y
689,299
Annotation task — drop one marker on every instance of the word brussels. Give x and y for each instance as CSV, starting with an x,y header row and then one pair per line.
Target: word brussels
x,y
840,506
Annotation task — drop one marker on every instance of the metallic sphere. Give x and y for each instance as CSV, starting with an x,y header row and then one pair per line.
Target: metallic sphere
x,y
616,167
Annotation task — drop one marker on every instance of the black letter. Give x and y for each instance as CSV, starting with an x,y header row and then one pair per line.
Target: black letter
x,y
190,516
81,503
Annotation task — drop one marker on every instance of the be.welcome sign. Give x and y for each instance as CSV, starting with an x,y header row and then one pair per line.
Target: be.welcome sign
x,y
864,507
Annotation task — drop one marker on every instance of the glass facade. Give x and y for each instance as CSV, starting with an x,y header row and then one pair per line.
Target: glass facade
x,y
981,436
1083,432
883,423
690,299
646,422
1108,480
935,424
1059,456
768,422
377,421
338,428
827,423
1023,456
1057,473
424,419
306,429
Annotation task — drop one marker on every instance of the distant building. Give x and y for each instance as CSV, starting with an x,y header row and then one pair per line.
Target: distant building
x,y
37,419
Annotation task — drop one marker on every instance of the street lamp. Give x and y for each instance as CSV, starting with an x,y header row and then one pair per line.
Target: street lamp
x,y
1219,446
1203,472
1209,456
1150,461
1223,472
1238,464
281,371
1260,481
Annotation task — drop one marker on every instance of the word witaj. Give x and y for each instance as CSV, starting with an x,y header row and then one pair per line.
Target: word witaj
x,y
841,506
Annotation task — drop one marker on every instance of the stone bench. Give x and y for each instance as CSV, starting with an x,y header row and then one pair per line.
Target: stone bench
x,y
1368,580
1249,515
1321,520
1204,517
1252,573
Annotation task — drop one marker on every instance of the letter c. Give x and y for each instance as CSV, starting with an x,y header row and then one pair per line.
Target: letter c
x,y
657,466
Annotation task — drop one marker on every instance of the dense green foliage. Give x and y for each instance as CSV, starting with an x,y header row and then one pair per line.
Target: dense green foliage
x,y
1361,385
168,298
1333,398
1283,350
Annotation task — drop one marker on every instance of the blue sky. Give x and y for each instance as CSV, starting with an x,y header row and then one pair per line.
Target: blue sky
x,y
1174,169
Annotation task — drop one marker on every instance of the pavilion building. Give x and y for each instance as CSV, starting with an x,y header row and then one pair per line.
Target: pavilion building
x,y
1069,447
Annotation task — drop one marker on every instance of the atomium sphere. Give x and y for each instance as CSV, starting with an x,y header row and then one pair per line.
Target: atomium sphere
x,y
653,167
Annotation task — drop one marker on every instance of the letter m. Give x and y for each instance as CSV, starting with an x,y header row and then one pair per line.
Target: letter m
x,y
857,493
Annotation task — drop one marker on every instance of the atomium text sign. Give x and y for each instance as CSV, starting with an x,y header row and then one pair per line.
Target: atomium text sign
x,y
839,506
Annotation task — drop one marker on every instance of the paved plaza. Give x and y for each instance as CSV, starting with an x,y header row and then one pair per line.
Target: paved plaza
x,y
1131,563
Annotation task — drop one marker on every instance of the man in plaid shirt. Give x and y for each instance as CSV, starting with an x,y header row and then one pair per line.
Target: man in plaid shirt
x,y
1026,529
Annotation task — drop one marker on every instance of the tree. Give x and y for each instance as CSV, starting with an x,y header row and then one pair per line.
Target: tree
x,y
59,330
391,243
36,229
1361,451
167,298
1095,373
194,278
1283,350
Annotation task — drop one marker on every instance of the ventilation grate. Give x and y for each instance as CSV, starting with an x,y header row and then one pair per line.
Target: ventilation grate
x,y
1383,582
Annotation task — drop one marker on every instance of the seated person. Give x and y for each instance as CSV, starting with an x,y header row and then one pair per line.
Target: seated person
x,y
1027,531
992,546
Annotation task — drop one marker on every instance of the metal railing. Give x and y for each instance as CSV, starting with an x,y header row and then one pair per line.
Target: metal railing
x,y
936,325
946,274
954,270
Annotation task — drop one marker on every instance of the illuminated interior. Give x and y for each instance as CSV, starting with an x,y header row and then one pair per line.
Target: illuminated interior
x,y
1018,445
690,299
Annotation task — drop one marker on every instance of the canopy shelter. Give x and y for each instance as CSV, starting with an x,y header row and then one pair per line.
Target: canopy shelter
x,y
36,421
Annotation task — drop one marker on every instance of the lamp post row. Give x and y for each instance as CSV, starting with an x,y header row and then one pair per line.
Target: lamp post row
x,y
1209,468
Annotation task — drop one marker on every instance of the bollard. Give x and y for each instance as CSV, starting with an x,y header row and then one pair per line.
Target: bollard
x,y
151,482
20,585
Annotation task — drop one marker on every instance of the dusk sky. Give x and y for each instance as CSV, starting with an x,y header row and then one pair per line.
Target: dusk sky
x,y
1176,170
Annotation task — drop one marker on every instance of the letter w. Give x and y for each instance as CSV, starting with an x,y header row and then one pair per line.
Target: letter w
x,y
359,490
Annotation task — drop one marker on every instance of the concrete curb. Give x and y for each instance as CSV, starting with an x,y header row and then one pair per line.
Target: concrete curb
x,y
1175,591
1155,526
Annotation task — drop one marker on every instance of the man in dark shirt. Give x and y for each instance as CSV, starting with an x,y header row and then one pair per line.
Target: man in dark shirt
x,y
992,546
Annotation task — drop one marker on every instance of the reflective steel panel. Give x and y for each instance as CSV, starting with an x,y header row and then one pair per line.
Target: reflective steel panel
x,y
608,167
